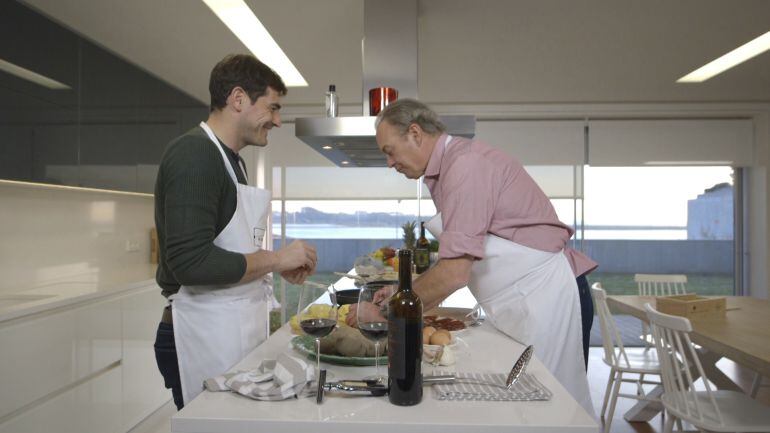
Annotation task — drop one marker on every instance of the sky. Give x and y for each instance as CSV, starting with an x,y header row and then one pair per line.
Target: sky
x,y
650,196
637,196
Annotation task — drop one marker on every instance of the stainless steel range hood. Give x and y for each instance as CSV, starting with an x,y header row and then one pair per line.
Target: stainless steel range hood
x,y
389,53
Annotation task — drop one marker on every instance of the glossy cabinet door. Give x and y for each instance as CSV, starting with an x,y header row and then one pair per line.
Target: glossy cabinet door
x,y
86,369
91,407
143,390
50,352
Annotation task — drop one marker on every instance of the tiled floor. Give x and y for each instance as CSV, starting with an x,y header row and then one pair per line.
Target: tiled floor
x,y
159,422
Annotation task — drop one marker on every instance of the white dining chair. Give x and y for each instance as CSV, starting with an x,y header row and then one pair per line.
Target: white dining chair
x,y
621,362
658,285
710,409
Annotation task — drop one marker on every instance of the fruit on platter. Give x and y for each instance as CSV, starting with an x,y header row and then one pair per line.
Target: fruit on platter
x,y
384,254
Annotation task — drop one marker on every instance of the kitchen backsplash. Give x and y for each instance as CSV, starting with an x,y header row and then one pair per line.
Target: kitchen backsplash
x,y
50,233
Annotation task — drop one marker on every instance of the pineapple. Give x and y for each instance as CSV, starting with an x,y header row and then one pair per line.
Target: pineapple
x,y
409,235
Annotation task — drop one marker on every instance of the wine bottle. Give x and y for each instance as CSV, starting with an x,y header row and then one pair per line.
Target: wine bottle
x,y
332,101
422,251
405,338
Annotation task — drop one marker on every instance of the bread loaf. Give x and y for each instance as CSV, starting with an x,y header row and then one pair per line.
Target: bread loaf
x,y
347,341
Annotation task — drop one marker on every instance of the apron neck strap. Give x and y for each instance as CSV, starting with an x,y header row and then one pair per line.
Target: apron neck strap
x,y
207,129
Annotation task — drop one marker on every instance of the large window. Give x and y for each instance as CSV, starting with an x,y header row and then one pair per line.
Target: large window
x,y
661,220
342,230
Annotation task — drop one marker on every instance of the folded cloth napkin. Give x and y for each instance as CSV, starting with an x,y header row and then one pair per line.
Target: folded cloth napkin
x,y
490,387
278,379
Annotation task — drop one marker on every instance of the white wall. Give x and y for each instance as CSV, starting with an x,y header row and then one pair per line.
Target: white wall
x,y
52,232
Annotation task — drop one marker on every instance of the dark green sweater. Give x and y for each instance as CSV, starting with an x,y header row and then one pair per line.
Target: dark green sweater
x,y
195,198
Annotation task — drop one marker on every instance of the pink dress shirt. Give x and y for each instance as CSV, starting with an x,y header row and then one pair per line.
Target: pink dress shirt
x,y
479,189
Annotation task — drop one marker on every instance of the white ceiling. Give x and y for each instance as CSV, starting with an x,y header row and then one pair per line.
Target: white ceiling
x,y
486,51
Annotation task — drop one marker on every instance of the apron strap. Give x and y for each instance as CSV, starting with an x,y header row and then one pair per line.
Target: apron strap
x,y
214,140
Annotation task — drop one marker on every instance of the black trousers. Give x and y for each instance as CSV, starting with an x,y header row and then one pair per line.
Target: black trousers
x,y
586,313
165,356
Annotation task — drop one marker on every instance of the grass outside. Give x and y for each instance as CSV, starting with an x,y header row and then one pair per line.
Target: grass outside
x,y
702,284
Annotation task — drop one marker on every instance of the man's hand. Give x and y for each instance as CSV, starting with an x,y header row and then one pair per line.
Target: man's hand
x,y
298,255
366,311
384,294
296,276
294,263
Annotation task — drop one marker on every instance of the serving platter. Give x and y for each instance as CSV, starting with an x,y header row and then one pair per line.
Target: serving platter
x,y
306,345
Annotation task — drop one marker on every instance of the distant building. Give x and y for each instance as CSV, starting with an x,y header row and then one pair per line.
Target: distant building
x,y
710,215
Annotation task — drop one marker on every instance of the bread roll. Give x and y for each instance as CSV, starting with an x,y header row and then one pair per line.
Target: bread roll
x,y
426,333
441,337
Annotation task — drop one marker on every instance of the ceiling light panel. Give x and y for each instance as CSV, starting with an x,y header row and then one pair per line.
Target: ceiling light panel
x,y
34,77
733,58
240,19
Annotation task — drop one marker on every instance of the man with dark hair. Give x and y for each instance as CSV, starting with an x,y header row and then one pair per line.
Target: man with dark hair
x,y
211,225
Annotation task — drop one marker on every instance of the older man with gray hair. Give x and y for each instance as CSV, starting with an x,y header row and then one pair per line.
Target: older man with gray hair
x,y
499,235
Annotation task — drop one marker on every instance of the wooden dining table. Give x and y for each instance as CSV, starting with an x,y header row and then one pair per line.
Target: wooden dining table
x,y
742,335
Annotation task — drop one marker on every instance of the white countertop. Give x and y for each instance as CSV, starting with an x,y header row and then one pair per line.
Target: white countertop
x,y
489,351
61,292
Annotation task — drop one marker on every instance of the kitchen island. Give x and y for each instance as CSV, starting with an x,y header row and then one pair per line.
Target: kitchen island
x,y
488,351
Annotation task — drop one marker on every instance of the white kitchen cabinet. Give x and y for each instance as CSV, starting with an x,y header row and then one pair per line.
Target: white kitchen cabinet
x,y
143,390
91,407
82,368
49,352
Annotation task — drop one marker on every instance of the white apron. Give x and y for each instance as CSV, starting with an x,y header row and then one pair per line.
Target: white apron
x,y
215,327
531,296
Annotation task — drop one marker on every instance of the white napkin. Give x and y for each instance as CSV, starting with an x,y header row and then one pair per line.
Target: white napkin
x,y
490,387
279,379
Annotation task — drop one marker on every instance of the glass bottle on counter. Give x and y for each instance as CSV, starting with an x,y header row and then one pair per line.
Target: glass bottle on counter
x,y
332,101
422,251
405,338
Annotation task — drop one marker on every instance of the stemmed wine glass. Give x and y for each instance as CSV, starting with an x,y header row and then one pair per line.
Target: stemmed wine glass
x,y
372,317
317,314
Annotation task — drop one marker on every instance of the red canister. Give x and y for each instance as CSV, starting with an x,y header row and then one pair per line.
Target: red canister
x,y
379,98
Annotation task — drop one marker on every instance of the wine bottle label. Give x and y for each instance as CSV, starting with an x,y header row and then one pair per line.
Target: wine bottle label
x,y
422,258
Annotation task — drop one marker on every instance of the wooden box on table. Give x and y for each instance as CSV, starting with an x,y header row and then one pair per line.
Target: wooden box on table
x,y
691,305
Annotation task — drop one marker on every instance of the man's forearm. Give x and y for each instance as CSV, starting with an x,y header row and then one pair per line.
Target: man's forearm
x,y
442,280
259,264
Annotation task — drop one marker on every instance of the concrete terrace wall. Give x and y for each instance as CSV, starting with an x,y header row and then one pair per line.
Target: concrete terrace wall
x,y
662,256
614,256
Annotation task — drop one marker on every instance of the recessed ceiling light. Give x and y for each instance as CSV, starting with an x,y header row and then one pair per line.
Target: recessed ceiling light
x,y
327,147
345,162
733,58
240,19
34,77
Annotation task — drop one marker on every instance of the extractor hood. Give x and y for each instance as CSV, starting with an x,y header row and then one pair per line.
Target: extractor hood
x,y
389,53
